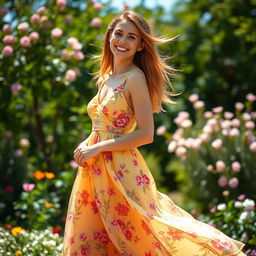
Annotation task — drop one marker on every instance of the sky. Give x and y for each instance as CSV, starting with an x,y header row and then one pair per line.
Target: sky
x,y
167,4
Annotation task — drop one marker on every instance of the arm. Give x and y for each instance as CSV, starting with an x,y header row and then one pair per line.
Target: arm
x,y
137,87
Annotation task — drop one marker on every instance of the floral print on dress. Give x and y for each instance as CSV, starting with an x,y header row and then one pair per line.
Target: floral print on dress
x,y
115,207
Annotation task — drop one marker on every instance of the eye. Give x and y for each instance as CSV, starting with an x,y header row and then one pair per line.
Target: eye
x,y
132,37
117,33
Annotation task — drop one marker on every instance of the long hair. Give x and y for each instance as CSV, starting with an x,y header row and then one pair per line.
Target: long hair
x,y
154,66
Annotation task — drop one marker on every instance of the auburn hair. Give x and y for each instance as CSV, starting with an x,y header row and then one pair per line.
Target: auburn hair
x,y
149,60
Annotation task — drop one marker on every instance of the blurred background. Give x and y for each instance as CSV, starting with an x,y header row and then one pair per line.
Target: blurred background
x,y
204,150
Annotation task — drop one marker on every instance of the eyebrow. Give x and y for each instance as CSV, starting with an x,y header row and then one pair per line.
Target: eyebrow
x,y
128,33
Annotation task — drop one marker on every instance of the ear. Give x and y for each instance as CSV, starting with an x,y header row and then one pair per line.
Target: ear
x,y
140,48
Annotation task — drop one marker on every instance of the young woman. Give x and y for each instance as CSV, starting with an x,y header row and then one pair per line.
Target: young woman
x,y
115,207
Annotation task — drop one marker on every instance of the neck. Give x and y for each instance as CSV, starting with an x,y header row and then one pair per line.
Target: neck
x,y
121,66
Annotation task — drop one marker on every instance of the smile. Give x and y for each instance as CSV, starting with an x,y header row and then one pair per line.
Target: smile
x,y
121,49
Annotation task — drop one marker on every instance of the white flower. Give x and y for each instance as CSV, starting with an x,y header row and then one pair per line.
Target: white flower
x,y
244,215
248,204
221,207
238,204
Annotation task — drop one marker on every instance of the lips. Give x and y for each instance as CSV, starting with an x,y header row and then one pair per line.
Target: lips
x,y
121,49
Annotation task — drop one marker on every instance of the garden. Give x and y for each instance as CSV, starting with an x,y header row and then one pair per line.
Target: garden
x,y
204,150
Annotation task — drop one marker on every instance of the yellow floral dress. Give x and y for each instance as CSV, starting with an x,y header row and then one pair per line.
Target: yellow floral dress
x,y
115,207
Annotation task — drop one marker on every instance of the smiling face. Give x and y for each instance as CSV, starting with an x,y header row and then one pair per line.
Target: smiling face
x,y
125,39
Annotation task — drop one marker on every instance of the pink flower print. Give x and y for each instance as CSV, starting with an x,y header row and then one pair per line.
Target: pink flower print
x,y
192,233
119,88
121,224
114,223
101,236
145,227
145,180
122,209
105,111
70,215
126,254
82,236
119,175
152,206
220,245
98,202
85,250
150,215
121,121
142,180
114,113
157,245
94,207
128,234
175,234
71,240
97,170
74,253
107,155
111,192
135,162
148,254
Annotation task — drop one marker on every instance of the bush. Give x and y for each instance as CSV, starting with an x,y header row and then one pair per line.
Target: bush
x,y
216,153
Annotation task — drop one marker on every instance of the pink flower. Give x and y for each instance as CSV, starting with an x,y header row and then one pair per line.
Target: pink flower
x,y
186,123
23,26
7,50
76,46
239,106
9,189
208,114
16,87
198,104
253,146
253,115
233,182
251,97
121,121
56,32
161,130
34,36
209,167
9,39
85,250
24,142
220,166
250,125
96,22
222,181
83,236
28,187
217,143
172,146
61,2
193,98
228,115
234,132
180,151
236,166
25,41
235,122
72,40
241,197
7,28
97,6
217,109
70,75
73,164
79,55
246,116
35,18
41,10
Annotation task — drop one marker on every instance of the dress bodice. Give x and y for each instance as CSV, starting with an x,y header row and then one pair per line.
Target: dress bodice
x,y
112,114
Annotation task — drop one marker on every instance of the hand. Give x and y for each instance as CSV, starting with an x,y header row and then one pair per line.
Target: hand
x,y
83,152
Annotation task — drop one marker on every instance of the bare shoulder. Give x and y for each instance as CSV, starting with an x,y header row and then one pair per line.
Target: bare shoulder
x,y
136,81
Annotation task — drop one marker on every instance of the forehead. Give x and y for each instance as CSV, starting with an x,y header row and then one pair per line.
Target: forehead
x,y
127,26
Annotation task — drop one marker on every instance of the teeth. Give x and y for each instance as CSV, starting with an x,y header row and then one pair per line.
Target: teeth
x,y
121,49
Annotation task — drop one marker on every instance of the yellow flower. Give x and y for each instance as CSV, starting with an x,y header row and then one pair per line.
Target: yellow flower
x,y
16,230
49,175
48,204
18,253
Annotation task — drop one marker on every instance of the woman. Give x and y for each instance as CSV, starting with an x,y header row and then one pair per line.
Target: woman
x,y
115,207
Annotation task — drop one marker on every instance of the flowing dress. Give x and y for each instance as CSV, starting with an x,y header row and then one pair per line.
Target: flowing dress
x,y
115,207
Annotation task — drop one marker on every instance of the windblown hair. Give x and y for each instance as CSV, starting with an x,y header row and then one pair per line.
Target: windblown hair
x,y
153,65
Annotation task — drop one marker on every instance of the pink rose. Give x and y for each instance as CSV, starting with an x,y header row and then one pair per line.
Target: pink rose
x,y
161,130
217,143
220,166
35,18
28,187
7,28
41,10
23,26
222,181
34,36
236,166
233,182
239,106
25,41
121,121
193,98
96,22
78,55
61,2
70,75
7,50
251,97
16,87
253,146
198,104
56,32
9,39
97,6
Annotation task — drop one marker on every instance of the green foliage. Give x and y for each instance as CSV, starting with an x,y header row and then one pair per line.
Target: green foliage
x,y
237,219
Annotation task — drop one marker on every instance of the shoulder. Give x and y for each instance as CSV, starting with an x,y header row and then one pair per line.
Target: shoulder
x,y
136,81
100,80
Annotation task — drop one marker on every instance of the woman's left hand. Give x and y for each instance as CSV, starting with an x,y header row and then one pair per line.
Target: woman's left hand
x,y
83,152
